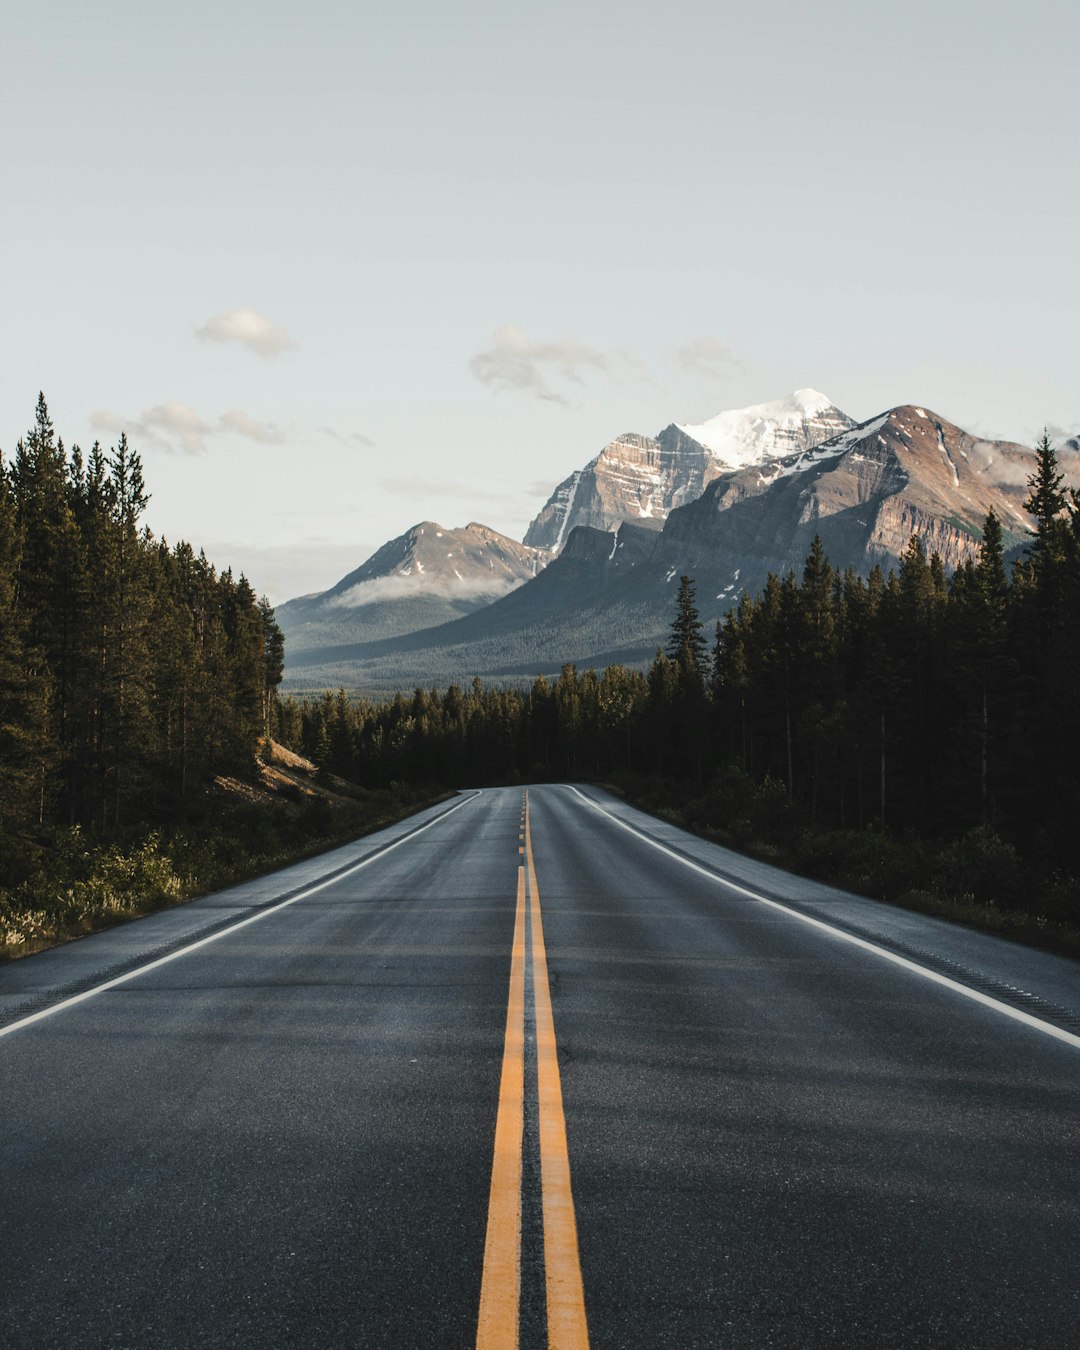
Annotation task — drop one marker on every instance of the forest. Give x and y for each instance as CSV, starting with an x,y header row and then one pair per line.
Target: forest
x,y
134,679
909,734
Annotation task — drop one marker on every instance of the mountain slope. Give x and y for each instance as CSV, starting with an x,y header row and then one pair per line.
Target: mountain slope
x,y
608,598
865,492
424,577
643,478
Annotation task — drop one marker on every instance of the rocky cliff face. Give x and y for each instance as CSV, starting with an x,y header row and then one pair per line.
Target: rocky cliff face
x,y
643,478
865,492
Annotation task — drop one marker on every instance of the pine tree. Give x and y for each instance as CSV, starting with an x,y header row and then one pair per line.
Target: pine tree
x,y
1046,501
24,748
686,645
273,661
990,569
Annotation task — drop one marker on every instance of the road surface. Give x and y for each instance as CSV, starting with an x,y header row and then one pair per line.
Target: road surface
x,y
539,1070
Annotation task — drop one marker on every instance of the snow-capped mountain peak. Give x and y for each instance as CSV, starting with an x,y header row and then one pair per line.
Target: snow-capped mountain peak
x,y
763,431
643,478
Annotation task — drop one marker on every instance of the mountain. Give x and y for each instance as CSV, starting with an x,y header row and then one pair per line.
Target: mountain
x,y
643,478
608,597
424,577
865,492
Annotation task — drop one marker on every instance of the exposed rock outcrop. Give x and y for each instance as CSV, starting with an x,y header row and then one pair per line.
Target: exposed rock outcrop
x,y
642,479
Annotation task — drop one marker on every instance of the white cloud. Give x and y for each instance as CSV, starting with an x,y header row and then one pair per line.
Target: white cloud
x,y
356,439
265,433
178,423
1014,470
179,430
1061,439
249,329
518,362
109,422
167,426
397,587
706,356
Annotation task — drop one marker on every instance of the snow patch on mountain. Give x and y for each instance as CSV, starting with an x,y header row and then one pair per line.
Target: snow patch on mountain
x,y
839,445
745,436
569,494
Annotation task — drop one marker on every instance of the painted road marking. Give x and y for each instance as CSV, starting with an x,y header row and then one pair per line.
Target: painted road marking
x,y
500,1290
976,995
499,1323
567,1326
232,928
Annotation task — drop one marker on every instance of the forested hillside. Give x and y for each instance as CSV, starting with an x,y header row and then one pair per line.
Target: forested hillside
x,y
136,686
130,671
903,731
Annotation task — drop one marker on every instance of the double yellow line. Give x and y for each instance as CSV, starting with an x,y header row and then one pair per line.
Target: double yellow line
x,y
500,1291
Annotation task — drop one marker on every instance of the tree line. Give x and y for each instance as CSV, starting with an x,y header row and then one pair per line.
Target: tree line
x,y
130,671
909,701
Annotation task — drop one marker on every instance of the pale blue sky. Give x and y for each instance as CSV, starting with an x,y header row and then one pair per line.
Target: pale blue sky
x,y
497,238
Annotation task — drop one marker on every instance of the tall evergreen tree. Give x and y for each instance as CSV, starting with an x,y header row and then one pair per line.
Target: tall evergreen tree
x,y
687,646
24,743
1046,501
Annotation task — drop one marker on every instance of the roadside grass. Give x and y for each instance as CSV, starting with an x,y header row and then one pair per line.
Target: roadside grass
x,y
61,884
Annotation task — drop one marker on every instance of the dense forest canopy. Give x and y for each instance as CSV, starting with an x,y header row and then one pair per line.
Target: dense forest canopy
x,y
130,671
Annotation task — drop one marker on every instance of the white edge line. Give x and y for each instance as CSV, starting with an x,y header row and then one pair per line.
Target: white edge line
x,y
226,932
1017,1014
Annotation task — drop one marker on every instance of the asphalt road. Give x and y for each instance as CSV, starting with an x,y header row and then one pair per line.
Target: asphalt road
x,y
776,1136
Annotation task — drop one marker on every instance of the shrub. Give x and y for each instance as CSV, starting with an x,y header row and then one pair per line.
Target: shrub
x,y
981,865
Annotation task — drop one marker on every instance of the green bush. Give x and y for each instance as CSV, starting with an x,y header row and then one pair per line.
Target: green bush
x,y
62,886
981,865
865,861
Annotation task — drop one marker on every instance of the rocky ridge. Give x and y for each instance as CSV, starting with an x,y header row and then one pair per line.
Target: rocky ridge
x,y
644,478
426,576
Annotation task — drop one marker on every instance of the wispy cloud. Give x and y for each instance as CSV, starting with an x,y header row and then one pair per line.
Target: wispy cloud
x,y
412,488
706,356
1062,439
355,439
264,433
517,362
1015,469
179,430
247,328
398,587
168,426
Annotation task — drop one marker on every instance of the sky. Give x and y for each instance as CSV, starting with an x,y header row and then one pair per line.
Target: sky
x,y
340,268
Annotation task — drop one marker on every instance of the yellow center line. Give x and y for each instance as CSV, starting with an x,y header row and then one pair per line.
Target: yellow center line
x,y
500,1290
567,1327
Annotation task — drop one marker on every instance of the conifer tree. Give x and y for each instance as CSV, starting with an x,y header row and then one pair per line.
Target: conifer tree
x,y
993,580
24,747
1046,501
686,645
